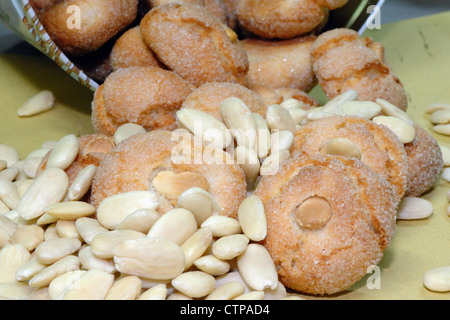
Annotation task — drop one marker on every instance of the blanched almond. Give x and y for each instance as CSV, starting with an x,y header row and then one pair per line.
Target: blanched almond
x,y
92,285
195,284
48,188
389,109
64,152
88,228
403,129
365,109
334,104
257,268
29,269
158,292
212,265
45,276
278,118
239,119
150,257
199,202
70,210
206,126
81,183
125,288
437,279
221,226
229,247
103,244
30,236
249,162
42,101
252,218
12,258
127,130
112,210
89,261
227,291
53,250
61,282
141,220
9,194
263,135
176,225
195,246
412,208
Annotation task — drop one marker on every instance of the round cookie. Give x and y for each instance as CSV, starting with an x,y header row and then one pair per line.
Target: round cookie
x,y
329,219
376,145
283,19
100,21
190,41
148,96
209,96
130,50
280,64
425,162
146,162
343,61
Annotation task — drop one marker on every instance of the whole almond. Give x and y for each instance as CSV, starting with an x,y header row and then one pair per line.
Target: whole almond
x,y
206,126
64,152
252,218
150,257
239,119
41,102
113,209
103,244
48,188
176,225
12,258
257,267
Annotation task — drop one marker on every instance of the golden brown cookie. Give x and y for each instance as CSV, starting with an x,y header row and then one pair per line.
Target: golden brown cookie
x,y
282,19
425,162
376,145
100,21
280,64
342,61
130,50
190,41
145,162
329,219
209,96
218,10
148,96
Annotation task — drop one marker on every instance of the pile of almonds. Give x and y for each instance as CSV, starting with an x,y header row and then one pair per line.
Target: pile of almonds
x,y
53,245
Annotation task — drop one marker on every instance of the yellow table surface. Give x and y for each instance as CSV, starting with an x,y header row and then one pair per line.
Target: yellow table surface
x,y
419,52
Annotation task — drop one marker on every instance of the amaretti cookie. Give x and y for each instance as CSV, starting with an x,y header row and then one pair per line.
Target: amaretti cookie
x,y
100,21
145,162
148,96
329,219
190,41
342,61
